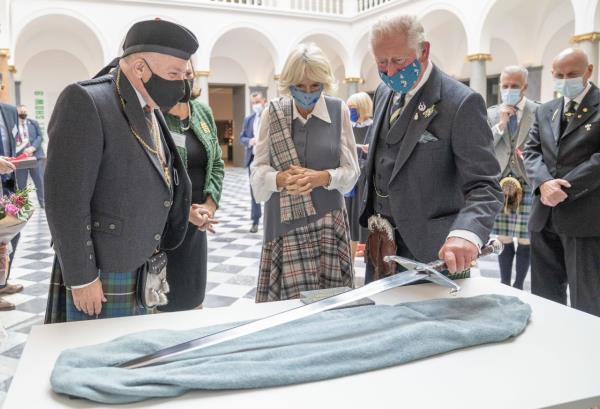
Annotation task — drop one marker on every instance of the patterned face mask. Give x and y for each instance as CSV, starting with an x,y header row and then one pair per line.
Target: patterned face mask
x,y
305,100
403,80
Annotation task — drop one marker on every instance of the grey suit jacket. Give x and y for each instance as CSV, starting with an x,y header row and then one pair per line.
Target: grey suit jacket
x,y
576,158
502,145
442,185
107,202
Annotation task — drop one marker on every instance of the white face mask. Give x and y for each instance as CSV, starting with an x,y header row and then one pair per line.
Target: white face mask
x,y
569,87
257,108
511,96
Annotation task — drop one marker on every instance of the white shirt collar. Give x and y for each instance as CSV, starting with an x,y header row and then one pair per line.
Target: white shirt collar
x,y
143,102
366,122
521,104
579,97
320,111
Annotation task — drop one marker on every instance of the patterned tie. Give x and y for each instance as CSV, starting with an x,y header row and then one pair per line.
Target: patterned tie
x,y
512,122
397,108
568,116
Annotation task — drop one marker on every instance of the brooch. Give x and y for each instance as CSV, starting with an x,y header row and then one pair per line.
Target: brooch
x,y
204,127
588,127
429,111
421,106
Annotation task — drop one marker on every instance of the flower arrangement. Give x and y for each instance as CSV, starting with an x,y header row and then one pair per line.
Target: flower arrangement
x,y
15,210
17,206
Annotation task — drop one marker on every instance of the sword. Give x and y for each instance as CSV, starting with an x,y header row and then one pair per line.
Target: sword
x,y
416,272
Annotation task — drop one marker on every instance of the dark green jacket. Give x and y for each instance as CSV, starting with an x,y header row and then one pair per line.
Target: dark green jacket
x,y
203,125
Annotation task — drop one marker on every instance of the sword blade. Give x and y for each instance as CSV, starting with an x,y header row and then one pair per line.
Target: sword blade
x,y
294,314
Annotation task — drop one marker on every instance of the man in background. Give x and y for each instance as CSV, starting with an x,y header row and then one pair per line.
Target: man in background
x,y
30,132
248,138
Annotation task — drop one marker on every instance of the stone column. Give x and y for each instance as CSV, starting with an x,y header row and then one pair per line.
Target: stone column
x,y
4,75
478,79
203,85
588,42
352,85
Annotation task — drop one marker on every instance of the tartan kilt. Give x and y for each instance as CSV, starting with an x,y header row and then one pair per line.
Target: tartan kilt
x,y
119,289
514,224
311,257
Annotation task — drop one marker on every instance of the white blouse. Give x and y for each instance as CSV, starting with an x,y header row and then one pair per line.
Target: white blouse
x,y
343,178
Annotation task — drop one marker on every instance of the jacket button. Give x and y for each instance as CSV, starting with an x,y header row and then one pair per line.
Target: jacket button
x,y
112,226
157,237
88,227
167,204
88,243
91,257
96,224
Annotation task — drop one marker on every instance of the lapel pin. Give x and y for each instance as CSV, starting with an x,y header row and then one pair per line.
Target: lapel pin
x,y
588,127
204,127
429,111
416,116
584,109
422,106
578,116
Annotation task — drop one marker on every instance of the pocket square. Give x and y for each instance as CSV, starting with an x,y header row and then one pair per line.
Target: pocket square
x,y
428,137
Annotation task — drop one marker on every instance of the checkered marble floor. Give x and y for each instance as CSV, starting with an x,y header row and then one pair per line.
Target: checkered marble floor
x,y
232,269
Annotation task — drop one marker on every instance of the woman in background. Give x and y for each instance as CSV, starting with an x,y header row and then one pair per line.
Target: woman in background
x,y
194,131
361,114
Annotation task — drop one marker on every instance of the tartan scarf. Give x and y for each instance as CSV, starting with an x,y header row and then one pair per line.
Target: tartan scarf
x,y
283,155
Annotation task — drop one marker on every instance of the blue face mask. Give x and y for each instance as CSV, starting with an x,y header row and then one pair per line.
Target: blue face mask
x,y
511,96
305,100
353,114
403,80
569,87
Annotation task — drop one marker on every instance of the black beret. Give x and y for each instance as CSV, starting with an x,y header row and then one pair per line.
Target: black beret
x,y
160,36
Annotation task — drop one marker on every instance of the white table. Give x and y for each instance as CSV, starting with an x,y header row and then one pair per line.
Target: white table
x,y
554,363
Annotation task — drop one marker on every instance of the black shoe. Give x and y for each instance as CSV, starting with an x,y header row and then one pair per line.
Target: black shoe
x,y
254,228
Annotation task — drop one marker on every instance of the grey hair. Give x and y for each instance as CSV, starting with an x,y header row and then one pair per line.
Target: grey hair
x,y
405,24
257,94
515,69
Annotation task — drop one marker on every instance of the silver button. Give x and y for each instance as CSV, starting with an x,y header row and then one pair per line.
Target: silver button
x,y
96,224
112,226
88,243
91,257
88,227
157,237
167,203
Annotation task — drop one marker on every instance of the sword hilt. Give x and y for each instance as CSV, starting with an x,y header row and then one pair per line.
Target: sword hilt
x,y
494,246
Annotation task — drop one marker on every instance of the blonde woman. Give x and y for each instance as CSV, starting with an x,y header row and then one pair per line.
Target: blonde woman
x,y
361,115
304,162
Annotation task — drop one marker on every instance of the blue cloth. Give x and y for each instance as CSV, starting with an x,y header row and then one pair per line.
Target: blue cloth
x,y
327,345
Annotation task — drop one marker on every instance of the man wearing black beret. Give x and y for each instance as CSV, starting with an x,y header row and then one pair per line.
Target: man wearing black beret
x,y
117,191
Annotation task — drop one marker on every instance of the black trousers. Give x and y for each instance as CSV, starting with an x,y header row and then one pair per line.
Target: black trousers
x,y
558,260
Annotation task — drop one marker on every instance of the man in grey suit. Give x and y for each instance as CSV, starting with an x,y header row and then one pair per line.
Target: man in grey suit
x,y
510,123
562,159
30,131
431,172
117,190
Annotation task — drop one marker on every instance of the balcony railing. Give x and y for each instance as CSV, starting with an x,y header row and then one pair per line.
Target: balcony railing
x,y
329,7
